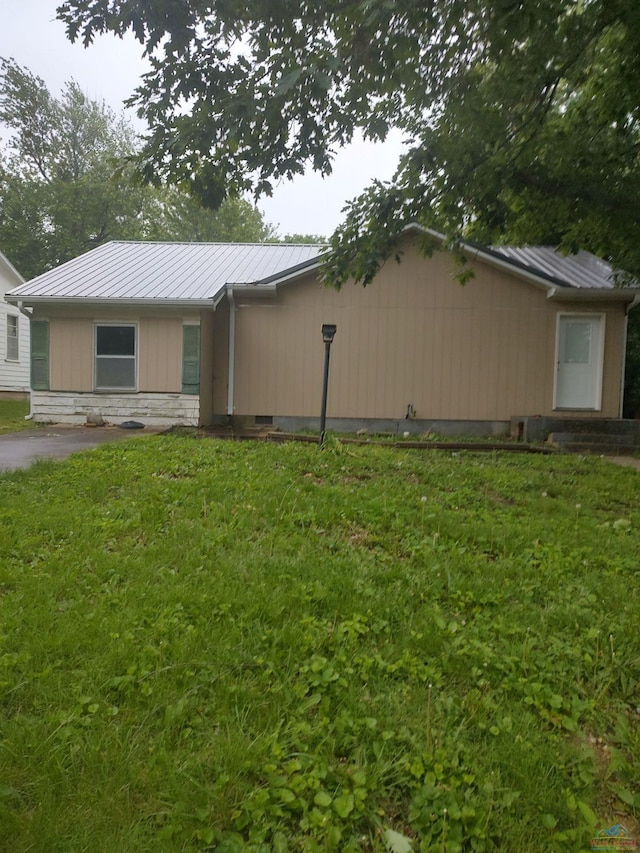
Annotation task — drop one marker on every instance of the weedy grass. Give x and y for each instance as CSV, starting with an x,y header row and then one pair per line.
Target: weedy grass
x,y
12,416
209,645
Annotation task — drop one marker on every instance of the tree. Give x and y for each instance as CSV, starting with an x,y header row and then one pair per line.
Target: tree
x,y
59,191
632,368
179,216
521,116
309,239
67,184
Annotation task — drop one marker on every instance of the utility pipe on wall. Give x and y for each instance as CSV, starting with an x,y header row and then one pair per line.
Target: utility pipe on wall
x,y
232,350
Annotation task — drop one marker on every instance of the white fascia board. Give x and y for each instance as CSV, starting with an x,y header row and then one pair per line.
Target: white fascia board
x,y
133,303
249,290
295,272
593,294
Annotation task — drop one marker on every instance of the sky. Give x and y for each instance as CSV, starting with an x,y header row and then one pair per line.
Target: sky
x,y
109,70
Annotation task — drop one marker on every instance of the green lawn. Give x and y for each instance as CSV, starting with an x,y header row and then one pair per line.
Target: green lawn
x,y
209,645
12,414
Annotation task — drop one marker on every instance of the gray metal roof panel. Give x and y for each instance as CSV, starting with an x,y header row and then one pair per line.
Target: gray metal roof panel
x,y
171,271
582,270
199,271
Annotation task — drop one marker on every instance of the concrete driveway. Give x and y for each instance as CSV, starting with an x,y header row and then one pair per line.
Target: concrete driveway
x,y
21,449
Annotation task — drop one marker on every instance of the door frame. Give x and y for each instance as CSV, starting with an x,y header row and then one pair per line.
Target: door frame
x,y
583,315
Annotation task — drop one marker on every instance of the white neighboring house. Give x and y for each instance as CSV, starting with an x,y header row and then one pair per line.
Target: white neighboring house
x,y
14,337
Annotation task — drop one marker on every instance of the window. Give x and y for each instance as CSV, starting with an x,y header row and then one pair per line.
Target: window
x,y
12,337
116,357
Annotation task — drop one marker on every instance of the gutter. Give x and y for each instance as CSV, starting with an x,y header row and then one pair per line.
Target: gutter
x,y
633,303
232,350
120,302
595,294
20,306
294,272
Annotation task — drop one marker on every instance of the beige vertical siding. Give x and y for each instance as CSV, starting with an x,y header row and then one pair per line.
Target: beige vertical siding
x,y
160,354
485,351
159,351
71,354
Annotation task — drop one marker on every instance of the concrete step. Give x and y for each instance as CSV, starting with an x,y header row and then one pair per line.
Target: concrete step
x,y
592,438
538,428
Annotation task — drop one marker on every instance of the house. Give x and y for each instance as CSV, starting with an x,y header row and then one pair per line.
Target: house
x,y
14,337
188,333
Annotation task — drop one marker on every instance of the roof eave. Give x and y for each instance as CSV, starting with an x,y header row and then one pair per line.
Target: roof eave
x,y
251,289
153,302
557,288
593,294
293,272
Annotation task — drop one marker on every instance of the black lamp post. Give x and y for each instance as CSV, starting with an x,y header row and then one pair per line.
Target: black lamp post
x,y
328,333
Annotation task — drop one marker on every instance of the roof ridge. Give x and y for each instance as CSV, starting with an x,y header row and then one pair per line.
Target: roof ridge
x,y
209,243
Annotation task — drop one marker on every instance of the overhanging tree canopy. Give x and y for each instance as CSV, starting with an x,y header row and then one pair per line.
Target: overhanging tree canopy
x,y
66,185
521,115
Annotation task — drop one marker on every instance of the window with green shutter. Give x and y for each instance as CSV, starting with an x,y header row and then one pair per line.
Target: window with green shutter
x,y
191,359
40,355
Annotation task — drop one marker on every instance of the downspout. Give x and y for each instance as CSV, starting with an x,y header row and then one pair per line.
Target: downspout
x,y
27,314
630,307
232,350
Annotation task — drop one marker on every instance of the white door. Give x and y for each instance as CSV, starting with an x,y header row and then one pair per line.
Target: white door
x,y
579,361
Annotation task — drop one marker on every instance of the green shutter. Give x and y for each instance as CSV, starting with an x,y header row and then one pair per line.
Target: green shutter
x,y
40,355
191,359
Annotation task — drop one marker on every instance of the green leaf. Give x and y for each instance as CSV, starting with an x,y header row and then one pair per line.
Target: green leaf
x,y
288,81
344,805
587,813
286,795
626,796
280,843
323,799
549,821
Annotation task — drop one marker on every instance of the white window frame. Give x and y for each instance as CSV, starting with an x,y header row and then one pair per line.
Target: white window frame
x,y
13,337
107,388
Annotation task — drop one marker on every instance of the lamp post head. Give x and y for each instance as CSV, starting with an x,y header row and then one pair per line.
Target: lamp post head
x,y
328,332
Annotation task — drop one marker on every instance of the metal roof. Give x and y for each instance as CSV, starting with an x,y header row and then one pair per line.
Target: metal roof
x,y
167,271
582,270
199,272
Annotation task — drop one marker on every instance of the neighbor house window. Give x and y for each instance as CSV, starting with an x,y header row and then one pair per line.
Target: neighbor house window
x,y
115,357
12,337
